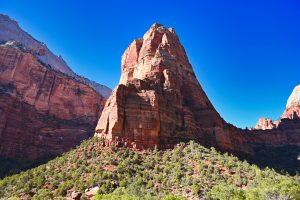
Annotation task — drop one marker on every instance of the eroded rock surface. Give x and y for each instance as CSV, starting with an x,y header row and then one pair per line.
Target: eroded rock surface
x,y
159,102
292,109
12,32
42,111
265,123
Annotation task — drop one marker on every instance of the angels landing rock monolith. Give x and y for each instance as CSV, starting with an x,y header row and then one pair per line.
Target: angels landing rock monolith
x,y
158,100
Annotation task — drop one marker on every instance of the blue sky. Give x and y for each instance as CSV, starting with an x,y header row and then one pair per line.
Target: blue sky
x,y
246,54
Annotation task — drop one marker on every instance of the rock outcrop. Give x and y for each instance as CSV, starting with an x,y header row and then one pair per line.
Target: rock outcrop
x,y
159,102
44,108
265,123
292,112
42,111
11,31
292,109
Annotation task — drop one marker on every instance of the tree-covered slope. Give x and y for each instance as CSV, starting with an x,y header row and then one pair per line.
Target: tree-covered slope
x,y
188,171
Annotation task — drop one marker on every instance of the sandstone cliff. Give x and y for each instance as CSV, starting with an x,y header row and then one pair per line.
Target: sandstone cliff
x,y
42,111
11,31
159,102
45,108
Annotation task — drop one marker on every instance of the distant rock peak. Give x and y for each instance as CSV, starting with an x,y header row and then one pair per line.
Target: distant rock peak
x,y
294,99
292,111
265,123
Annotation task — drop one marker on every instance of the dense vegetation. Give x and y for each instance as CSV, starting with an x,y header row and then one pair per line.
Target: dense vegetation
x,y
189,171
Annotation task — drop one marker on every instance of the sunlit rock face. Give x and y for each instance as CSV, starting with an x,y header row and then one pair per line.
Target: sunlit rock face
x,y
265,123
11,32
42,111
292,112
292,109
45,108
159,102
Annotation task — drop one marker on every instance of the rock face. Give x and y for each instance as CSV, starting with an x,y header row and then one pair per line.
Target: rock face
x,y
44,111
292,109
159,102
10,31
292,112
265,123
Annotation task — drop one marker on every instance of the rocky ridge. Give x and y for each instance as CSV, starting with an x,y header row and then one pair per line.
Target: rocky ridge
x,y
11,31
45,108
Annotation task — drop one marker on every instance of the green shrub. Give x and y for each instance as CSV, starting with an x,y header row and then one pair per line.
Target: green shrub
x,y
43,194
173,197
114,197
151,175
226,192
274,189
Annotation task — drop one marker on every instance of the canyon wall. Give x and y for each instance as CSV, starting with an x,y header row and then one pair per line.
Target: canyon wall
x,y
45,107
42,111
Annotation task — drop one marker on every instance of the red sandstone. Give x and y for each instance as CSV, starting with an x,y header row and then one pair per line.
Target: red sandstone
x,y
42,111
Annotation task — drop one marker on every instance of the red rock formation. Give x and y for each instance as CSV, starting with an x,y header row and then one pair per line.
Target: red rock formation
x,y
159,102
265,123
10,31
292,111
42,111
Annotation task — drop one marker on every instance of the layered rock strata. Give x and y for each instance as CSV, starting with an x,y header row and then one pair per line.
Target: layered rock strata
x,y
159,102
43,111
11,31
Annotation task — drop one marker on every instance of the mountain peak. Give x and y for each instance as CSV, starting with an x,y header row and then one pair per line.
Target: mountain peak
x,y
159,49
158,101
6,18
160,28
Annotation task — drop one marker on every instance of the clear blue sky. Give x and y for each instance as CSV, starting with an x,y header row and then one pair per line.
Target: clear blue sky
x,y
246,54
